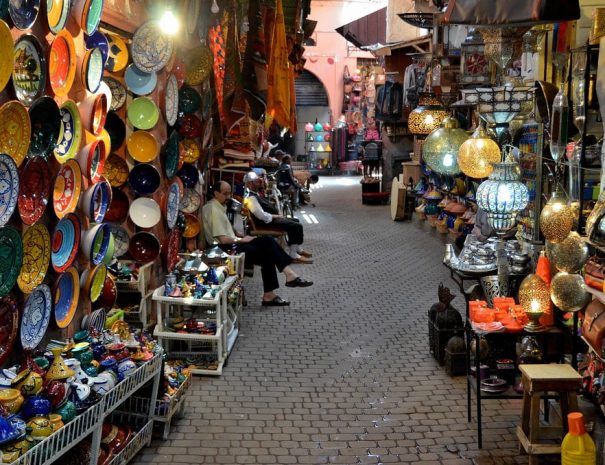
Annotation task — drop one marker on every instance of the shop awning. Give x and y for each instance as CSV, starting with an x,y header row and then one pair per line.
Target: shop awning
x,y
420,44
371,29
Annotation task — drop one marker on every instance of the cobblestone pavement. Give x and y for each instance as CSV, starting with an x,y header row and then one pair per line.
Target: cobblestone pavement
x,y
344,374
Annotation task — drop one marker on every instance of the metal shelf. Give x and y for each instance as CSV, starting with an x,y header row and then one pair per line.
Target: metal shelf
x,y
141,439
160,333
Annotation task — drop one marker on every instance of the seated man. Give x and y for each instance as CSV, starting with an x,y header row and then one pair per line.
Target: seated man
x,y
262,251
264,211
287,182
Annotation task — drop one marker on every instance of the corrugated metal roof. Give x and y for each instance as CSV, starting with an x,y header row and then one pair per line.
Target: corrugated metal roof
x,y
371,29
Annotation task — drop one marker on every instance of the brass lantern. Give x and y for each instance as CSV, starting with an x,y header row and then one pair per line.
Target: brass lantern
x,y
478,154
427,116
440,149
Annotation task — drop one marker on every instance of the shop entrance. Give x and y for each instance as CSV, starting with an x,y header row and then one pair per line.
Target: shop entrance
x,y
312,104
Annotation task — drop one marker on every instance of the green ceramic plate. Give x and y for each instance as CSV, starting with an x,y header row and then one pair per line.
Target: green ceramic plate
x,y
143,113
11,258
172,160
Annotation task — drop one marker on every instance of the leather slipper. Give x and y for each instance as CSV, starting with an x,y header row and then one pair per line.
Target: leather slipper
x,y
299,282
305,254
302,261
277,301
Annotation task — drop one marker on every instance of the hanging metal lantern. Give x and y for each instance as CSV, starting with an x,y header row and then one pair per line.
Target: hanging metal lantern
x,y
478,154
440,149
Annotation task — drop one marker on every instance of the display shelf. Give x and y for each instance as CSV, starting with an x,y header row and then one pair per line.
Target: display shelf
x,y
161,334
199,371
142,284
141,439
158,296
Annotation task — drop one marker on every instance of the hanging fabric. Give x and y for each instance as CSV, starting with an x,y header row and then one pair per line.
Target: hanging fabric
x,y
280,74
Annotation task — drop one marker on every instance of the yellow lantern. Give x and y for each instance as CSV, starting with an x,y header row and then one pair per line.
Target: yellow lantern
x,y
477,155
534,295
556,219
427,116
568,292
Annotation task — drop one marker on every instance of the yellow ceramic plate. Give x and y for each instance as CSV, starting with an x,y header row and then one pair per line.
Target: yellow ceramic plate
x,y
191,150
143,146
117,58
192,226
57,12
7,60
115,170
36,257
68,186
15,130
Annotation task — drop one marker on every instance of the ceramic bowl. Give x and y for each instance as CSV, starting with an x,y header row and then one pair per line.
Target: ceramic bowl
x,y
121,239
23,12
191,150
170,202
11,399
145,212
45,118
94,243
57,12
151,49
70,137
190,202
143,113
96,201
91,70
29,73
87,14
144,247
36,406
171,100
66,239
143,146
109,294
92,160
144,179
67,411
118,93
189,175
173,155
93,112
190,126
34,190
7,60
118,53
15,131
93,280
139,82
62,63
98,40
115,170
115,127
111,250
36,317
36,258
192,226
67,187
189,100
118,210
67,295
126,368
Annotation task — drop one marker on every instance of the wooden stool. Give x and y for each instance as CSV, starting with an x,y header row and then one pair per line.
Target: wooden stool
x,y
537,380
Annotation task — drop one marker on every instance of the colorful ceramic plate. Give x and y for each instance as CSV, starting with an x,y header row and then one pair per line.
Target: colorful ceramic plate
x,y
92,70
139,82
88,14
66,191
143,146
172,203
171,100
62,63
92,160
118,210
66,241
57,12
192,226
9,322
173,155
29,74
189,175
36,317
67,295
145,212
170,248
34,190
71,133
143,113
144,179
92,281
115,170
15,130
95,321
36,257
45,117
11,258
98,40
118,93
96,201
151,49
23,12
120,238
7,60
9,188
116,129
191,150
144,247
190,202
118,53
189,100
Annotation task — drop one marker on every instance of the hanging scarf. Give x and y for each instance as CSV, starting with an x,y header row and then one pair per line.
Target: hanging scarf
x,y
279,99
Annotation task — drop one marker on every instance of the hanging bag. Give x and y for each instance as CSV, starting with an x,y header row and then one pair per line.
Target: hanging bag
x,y
593,325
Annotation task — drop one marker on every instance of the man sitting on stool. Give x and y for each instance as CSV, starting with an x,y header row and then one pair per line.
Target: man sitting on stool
x,y
262,251
264,211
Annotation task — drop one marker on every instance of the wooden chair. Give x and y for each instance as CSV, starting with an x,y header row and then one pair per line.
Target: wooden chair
x,y
253,228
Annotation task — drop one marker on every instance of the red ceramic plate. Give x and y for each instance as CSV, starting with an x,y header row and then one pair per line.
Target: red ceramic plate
x,y
144,247
9,324
68,185
34,190
170,248
62,63
118,210
190,126
109,294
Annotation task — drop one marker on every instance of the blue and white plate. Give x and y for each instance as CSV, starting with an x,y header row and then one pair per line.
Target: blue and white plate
x,y
171,100
190,202
172,204
139,82
9,188
95,321
36,317
13,428
121,239
151,49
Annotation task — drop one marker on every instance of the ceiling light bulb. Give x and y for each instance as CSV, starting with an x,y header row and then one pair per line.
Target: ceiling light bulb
x,y
214,8
169,23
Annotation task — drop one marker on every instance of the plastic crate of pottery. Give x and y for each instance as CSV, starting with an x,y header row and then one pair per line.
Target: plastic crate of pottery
x,y
143,281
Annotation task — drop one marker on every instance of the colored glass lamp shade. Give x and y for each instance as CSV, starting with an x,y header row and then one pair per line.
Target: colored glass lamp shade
x,y
503,195
427,116
477,155
440,149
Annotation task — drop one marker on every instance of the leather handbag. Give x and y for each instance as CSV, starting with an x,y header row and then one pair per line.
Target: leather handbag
x,y
594,272
510,12
593,325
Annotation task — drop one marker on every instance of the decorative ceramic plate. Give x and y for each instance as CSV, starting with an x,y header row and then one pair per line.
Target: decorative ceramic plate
x,y
172,203
115,170
67,295
36,317
143,113
9,322
15,130
191,150
145,212
92,69
98,40
144,179
170,249
57,12
9,188
45,118
92,281
29,74
171,100
121,239
11,257
118,210
173,156
71,133
139,82
142,146
66,241
190,202
95,321
7,60
144,247
23,12
192,226
34,190
198,65
90,13
62,63
189,175
36,257
118,93
118,53
151,49
66,191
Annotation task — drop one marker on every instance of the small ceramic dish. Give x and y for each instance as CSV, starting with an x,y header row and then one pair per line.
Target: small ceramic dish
x,y
67,187
36,257
93,280
23,12
65,242
67,296
34,190
145,212
143,113
144,247
139,82
115,170
57,12
29,73
144,179
71,132
45,118
142,146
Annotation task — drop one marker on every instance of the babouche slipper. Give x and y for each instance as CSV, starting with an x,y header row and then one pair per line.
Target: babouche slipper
x,y
299,282
277,301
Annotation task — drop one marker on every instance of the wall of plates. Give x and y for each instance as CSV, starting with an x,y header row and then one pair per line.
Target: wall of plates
x,y
101,134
